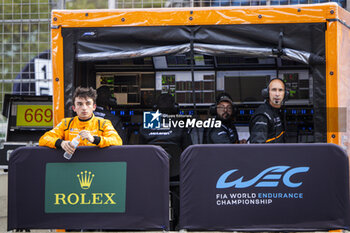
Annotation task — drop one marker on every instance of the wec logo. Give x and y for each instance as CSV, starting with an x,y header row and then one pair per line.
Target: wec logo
x,y
270,177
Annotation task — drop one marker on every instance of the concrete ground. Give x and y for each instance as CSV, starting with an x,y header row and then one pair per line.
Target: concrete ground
x,y
3,201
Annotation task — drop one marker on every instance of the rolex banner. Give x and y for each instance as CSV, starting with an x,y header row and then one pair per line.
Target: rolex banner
x,y
85,187
278,187
114,188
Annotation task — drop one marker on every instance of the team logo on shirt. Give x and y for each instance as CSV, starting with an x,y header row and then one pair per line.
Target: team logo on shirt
x,y
151,120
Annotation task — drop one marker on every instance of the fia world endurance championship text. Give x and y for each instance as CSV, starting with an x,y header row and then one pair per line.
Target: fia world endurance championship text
x,y
223,199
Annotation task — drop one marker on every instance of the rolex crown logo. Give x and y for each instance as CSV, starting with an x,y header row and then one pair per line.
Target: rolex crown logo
x,y
85,179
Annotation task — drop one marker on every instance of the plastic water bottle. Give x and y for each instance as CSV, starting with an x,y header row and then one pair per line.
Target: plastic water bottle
x,y
75,143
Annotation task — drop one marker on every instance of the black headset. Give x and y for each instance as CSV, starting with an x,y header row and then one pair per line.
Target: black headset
x,y
266,91
112,102
104,97
213,108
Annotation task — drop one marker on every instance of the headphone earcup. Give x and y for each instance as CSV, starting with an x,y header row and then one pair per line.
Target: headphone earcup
x,y
235,111
176,108
112,102
265,93
212,110
286,95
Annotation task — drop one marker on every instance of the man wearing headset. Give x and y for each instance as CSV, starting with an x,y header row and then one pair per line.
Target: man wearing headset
x,y
104,103
266,125
227,133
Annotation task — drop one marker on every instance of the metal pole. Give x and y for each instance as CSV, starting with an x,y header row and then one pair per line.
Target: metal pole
x,y
61,4
192,3
111,4
192,71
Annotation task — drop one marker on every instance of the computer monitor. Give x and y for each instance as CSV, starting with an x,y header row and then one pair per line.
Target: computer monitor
x,y
247,88
147,81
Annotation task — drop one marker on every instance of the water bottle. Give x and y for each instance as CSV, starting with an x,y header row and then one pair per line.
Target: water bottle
x,y
75,143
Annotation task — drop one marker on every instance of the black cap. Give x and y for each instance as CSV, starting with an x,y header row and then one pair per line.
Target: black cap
x,y
225,98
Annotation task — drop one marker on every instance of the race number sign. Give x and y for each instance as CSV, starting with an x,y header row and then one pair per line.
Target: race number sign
x,y
43,76
34,115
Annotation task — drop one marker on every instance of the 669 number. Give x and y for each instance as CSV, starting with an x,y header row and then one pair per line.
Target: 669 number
x,y
38,115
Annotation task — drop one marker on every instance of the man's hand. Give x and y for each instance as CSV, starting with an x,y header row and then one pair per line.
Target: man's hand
x,y
84,134
68,147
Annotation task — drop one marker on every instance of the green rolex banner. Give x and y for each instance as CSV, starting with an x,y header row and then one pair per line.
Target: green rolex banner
x,y
88,187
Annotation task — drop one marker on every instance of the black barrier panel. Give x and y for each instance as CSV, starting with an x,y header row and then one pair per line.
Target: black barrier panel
x,y
294,187
123,188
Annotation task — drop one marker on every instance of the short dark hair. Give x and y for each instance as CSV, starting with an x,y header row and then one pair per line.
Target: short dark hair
x,y
85,93
165,100
166,104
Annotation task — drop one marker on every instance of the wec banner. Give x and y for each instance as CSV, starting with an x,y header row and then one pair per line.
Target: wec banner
x,y
293,187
